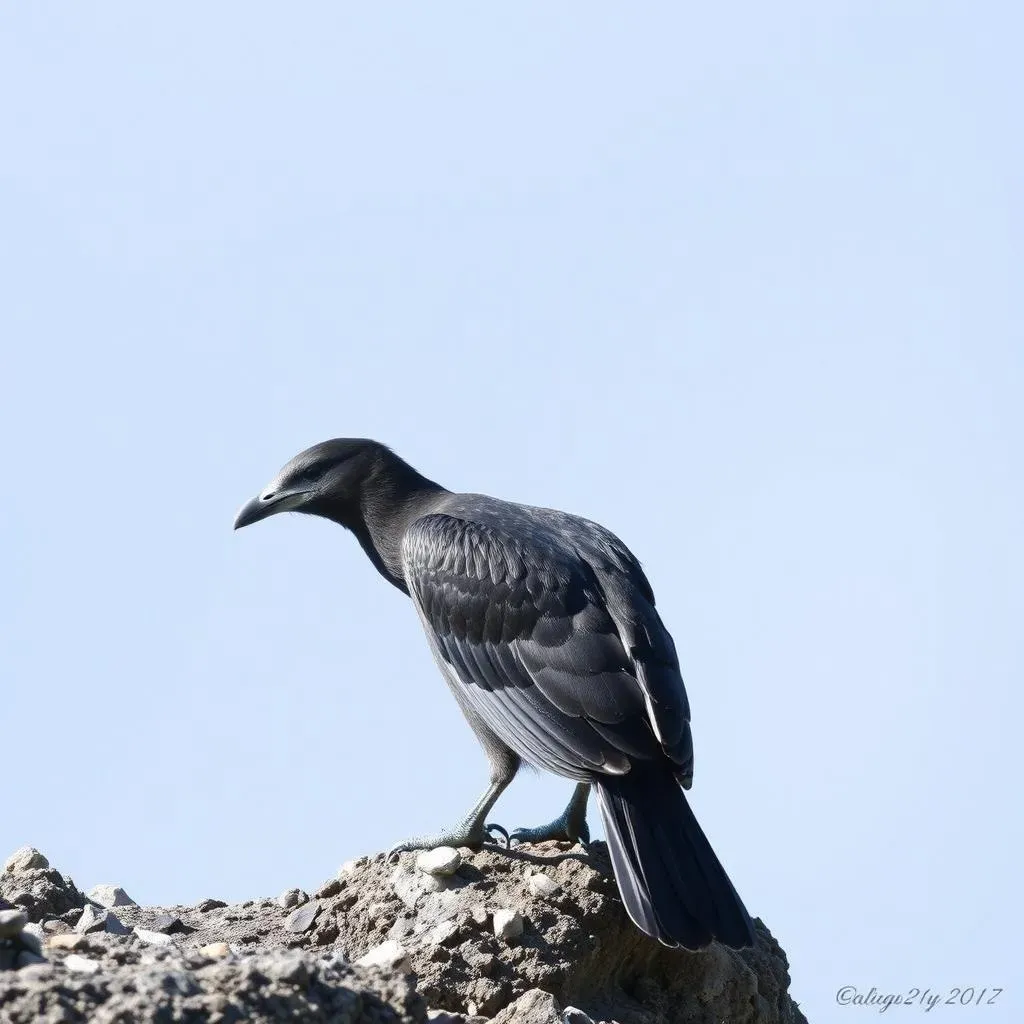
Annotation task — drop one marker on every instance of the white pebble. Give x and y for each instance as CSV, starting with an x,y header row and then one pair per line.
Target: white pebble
x,y
443,861
216,950
154,938
543,885
82,964
390,955
508,924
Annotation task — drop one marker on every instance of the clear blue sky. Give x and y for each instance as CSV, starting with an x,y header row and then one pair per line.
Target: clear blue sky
x,y
742,282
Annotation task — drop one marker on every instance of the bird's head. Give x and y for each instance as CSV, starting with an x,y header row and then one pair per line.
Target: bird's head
x,y
326,480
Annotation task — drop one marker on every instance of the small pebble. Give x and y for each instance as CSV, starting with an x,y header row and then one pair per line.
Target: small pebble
x,y
292,898
216,950
508,924
169,924
390,955
27,858
444,933
351,866
301,920
154,938
543,885
82,964
68,940
12,922
444,861
210,904
110,896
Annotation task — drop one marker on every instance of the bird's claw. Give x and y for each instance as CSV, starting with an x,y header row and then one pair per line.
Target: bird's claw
x,y
502,831
471,838
560,831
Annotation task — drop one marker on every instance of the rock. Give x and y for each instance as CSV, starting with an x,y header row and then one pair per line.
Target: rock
x,y
152,938
289,967
27,858
533,1007
169,924
301,920
351,866
390,955
41,892
445,934
113,925
572,1015
508,925
330,888
110,896
92,920
68,941
542,885
30,940
292,898
29,958
12,922
216,950
443,861
82,964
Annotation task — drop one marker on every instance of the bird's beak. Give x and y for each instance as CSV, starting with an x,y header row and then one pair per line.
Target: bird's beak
x,y
267,504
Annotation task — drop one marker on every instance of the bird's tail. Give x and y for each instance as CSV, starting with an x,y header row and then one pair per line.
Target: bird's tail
x,y
671,882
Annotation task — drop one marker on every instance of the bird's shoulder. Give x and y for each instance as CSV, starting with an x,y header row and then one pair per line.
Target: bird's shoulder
x,y
476,535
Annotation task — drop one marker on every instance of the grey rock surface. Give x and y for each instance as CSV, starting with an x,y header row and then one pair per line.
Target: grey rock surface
x,y
110,896
12,922
27,858
29,883
253,961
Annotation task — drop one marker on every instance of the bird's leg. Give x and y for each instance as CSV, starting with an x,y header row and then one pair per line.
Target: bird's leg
x,y
569,827
471,830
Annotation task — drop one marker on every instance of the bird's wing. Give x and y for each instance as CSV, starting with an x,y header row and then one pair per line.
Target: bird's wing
x,y
521,626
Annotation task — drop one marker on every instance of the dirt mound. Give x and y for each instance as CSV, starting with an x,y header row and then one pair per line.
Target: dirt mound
x,y
532,934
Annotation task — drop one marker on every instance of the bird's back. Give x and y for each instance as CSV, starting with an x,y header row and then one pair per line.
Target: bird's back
x,y
567,544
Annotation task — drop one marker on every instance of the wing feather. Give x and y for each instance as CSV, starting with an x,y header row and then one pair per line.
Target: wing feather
x,y
520,626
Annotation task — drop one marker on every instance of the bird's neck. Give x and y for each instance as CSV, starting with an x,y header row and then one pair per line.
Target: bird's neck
x,y
397,496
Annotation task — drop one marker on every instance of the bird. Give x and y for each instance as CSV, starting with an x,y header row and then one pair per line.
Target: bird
x,y
544,627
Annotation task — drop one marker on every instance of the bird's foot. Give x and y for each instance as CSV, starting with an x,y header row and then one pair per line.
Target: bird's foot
x,y
472,834
568,828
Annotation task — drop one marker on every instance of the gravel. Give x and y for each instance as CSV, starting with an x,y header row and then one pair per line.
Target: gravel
x,y
532,935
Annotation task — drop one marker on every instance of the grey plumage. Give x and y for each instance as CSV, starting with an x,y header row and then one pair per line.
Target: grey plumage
x,y
545,629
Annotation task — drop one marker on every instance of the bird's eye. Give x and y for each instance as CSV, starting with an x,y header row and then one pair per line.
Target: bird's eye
x,y
310,475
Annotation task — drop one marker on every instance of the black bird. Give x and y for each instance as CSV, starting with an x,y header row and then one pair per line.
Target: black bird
x,y
544,626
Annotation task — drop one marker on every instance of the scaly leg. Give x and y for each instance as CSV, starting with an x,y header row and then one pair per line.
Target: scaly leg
x,y
471,831
569,827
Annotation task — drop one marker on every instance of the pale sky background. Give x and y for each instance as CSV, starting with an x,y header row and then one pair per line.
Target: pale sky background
x,y
740,281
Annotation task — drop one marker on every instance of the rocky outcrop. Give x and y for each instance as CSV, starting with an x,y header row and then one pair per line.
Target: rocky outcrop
x,y
534,934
